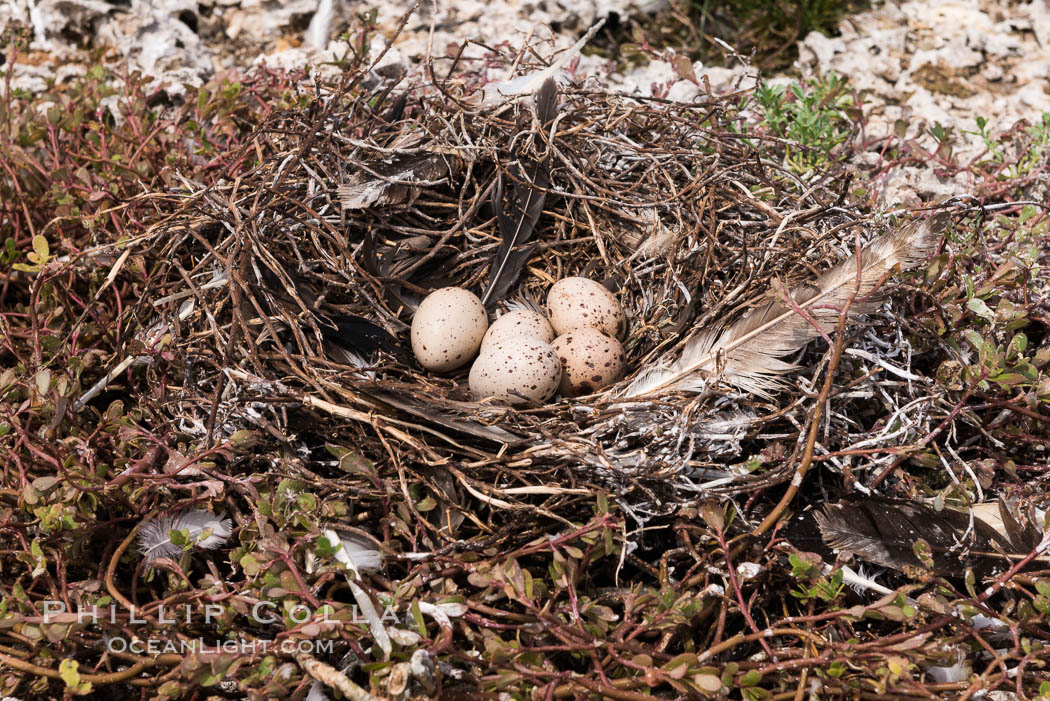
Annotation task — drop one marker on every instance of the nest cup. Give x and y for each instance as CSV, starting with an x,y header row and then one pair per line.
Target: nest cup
x,y
362,206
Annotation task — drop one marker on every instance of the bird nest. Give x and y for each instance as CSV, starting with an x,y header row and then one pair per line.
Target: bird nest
x,y
288,291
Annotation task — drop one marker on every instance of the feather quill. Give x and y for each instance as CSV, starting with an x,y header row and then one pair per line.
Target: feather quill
x,y
519,213
447,419
748,355
356,556
205,530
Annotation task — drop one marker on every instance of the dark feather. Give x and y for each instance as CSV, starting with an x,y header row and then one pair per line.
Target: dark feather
x,y
884,531
369,260
547,102
519,212
517,215
397,110
361,336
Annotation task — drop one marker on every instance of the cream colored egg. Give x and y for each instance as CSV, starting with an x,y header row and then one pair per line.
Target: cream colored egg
x,y
590,360
447,329
516,369
520,322
577,303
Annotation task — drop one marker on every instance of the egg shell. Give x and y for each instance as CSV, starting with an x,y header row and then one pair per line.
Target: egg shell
x,y
590,360
577,303
519,365
447,329
520,322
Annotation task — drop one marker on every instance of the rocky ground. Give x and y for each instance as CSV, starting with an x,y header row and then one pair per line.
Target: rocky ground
x,y
924,65
921,67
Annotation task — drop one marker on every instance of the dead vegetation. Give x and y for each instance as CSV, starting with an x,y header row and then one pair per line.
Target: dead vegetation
x,y
251,361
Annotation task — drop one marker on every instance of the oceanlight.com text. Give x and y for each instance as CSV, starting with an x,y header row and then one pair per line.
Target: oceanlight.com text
x,y
233,647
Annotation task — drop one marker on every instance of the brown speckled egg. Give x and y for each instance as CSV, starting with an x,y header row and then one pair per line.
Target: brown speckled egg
x,y
520,322
590,360
447,329
516,366
578,303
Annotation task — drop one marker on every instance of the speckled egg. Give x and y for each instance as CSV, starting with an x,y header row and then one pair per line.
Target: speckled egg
x,y
520,322
578,303
516,369
590,360
447,329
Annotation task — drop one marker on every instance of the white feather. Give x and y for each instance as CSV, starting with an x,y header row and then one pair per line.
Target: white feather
x,y
356,554
316,693
958,672
747,354
857,581
531,82
205,531
318,32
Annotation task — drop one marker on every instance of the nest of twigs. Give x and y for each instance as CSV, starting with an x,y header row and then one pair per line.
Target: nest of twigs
x,y
289,291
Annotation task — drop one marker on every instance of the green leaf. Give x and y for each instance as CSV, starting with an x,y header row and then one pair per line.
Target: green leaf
x,y
751,678
678,666
43,382
708,683
203,95
573,552
417,618
978,307
324,547
1008,379
69,670
115,410
922,550
38,554
250,565
354,462
41,251
836,669
970,579
1018,344
974,339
